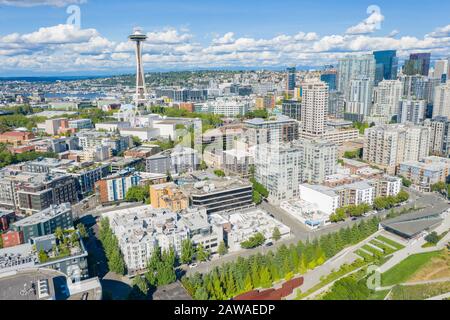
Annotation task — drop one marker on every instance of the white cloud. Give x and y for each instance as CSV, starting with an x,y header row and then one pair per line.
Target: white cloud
x,y
441,32
34,3
367,26
66,48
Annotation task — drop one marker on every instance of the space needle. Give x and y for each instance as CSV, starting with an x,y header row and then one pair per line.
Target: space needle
x,y
141,91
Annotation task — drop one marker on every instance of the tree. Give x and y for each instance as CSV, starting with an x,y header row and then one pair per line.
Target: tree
x,y
222,250
137,194
257,198
402,196
432,238
203,166
219,173
59,234
438,187
140,288
201,253
276,235
82,230
254,241
43,256
266,279
406,183
187,251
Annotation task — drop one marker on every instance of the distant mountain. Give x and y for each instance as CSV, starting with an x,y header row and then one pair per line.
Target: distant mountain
x,y
48,79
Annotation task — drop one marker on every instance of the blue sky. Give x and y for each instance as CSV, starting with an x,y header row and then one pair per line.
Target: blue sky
x,y
190,34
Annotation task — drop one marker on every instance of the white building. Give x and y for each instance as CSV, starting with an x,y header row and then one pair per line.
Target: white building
x,y
139,230
360,96
245,225
387,97
412,110
353,66
441,106
324,198
389,145
314,107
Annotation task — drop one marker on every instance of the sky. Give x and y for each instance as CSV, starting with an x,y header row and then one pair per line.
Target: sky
x,y
89,37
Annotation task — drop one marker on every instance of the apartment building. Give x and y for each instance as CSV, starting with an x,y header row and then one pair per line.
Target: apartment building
x,y
168,196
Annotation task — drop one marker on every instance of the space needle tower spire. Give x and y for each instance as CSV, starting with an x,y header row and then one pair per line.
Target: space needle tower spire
x,y
141,92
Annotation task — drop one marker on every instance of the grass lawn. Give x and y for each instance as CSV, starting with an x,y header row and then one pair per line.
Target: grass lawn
x,y
373,250
387,249
405,269
390,242
429,244
420,292
378,295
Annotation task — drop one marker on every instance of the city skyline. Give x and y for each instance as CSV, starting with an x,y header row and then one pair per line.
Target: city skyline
x,y
40,37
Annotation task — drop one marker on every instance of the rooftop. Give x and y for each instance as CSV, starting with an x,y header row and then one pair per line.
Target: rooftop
x,y
44,215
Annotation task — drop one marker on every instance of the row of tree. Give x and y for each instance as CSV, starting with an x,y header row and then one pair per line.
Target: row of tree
x,y
7,158
261,271
380,203
116,263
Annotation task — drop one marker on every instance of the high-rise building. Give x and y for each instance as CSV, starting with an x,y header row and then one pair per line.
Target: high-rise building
x,y
419,87
386,65
314,107
336,104
386,98
352,67
292,109
281,168
280,129
141,92
441,106
291,78
412,111
418,63
388,145
330,78
360,98
439,136
440,70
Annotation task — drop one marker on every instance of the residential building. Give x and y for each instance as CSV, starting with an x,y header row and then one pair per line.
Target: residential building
x,y
314,107
80,124
114,188
324,198
386,97
292,109
139,230
423,174
177,160
359,100
355,194
16,137
281,168
168,196
291,74
45,222
439,136
411,110
441,106
352,67
388,145
275,130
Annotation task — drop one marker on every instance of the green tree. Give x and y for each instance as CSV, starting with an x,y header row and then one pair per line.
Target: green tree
x,y
219,173
43,256
59,234
254,241
406,183
201,253
82,230
137,194
187,251
432,238
266,279
222,250
276,235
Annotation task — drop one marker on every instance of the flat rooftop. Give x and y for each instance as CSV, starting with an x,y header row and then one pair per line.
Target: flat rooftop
x,y
174,291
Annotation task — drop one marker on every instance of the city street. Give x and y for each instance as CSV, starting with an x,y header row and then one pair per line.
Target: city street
x,y
301,233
